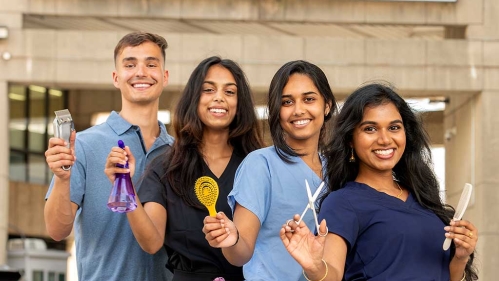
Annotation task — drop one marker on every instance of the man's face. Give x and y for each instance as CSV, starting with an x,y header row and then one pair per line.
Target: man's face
x,y
140,73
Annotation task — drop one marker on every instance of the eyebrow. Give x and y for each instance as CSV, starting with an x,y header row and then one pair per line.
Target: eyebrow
x,y
374,123
127,59
226,84
303,94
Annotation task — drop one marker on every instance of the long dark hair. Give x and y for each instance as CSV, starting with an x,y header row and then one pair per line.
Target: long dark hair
x,y
277,85
184,163
414,170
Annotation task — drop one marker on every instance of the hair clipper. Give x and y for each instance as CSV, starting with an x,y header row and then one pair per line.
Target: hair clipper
x,y
63,126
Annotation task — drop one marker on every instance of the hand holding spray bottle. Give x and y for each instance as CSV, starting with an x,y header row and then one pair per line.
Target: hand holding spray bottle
x,y
122,197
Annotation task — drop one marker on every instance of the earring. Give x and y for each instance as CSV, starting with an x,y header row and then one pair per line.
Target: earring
x,y
352,157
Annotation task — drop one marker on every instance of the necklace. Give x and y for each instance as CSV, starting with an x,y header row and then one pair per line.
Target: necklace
x,y
398,196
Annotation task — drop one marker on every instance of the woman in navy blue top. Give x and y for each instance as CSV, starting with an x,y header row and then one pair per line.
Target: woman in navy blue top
x,y
385,220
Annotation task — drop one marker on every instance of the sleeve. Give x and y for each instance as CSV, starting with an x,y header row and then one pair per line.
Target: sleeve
x,y
252,186
151,187
341,217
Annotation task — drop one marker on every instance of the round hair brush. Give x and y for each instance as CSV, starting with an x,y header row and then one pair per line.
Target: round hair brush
x,y
206,190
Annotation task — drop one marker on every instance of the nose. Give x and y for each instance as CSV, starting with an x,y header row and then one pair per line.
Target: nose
x,y
299,108
384,137
141,70
218,96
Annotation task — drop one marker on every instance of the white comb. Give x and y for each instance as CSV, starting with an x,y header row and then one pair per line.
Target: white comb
x,y
461,208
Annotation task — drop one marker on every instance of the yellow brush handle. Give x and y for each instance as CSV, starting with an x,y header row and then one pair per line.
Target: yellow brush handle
x,y
212,210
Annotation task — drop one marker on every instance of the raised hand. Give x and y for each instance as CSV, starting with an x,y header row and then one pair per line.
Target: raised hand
x,y
306,248
220,231
119,156
58,155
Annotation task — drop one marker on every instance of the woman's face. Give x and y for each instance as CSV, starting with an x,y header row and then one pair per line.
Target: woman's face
x,y
303,109
379,139
218,101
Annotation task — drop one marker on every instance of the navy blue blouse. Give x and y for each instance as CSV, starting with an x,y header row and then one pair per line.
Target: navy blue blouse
x,y
387,238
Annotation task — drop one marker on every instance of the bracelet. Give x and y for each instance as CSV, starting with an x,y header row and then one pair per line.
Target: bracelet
x,y
237,240
464,276
325,263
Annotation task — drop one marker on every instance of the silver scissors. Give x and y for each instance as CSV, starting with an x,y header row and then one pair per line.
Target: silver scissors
x,y
311,205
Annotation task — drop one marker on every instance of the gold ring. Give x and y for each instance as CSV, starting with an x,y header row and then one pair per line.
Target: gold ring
x,y
470,234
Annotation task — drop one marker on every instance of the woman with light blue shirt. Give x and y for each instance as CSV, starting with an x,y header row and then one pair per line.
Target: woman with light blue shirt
x,y
270,182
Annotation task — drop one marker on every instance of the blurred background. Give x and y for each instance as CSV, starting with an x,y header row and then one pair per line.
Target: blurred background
x,y
441,55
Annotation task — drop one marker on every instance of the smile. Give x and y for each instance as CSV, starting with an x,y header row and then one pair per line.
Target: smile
x,y
218,110
141,86
384,151
301,122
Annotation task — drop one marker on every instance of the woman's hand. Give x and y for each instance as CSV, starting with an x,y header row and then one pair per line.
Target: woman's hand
x,y
306,248
465,235
220,231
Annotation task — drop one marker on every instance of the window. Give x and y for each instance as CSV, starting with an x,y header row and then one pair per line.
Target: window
x,y
31,115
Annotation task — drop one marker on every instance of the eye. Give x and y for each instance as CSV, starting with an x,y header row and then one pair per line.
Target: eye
x,y
286,102
369,129
395,127
309,99
129,65
151,65
208,90
230,92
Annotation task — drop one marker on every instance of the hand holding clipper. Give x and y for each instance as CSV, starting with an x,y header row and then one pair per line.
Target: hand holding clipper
x,y
63,126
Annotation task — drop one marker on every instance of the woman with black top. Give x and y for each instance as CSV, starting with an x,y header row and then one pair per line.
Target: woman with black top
x,y
215,127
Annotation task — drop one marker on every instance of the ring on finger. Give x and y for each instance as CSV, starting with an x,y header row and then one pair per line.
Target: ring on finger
x,y
287,224
470,234
66,168
322,234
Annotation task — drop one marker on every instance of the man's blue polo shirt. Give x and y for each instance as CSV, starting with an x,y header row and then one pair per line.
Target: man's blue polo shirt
x,y
105,246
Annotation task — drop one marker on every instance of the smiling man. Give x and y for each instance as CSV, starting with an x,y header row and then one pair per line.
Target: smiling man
x,y
105,246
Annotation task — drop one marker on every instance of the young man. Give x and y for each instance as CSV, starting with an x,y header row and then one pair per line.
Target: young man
x,y
105,246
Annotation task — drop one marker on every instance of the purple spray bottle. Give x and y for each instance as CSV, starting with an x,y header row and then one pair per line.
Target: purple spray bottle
x,y
122,198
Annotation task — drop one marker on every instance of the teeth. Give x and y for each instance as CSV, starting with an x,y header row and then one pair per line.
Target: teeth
x,y
141,85
384,152
218,110
301,122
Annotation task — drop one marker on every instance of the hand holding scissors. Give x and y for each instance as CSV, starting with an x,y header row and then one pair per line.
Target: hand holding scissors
x,y
311,205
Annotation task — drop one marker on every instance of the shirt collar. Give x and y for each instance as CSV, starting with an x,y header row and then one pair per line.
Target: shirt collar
x,y
117,123
121,126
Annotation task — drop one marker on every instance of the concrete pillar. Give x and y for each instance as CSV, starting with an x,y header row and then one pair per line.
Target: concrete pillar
x,y
4,170
486,126
472,130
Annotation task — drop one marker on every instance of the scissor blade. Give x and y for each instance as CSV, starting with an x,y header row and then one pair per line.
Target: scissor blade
x,y
318,191
309,194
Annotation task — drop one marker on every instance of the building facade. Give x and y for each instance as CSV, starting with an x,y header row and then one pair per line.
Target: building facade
x,y
58,54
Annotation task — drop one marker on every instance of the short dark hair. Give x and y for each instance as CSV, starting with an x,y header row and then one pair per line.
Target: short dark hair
x,y
277,85
137,38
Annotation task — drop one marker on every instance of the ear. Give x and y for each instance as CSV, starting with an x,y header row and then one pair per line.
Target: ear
x,y
115,79
165,78
328,108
